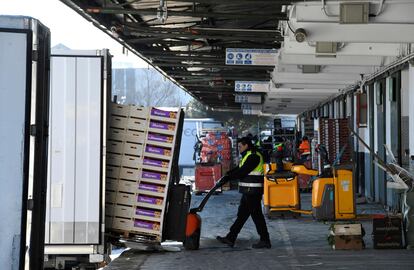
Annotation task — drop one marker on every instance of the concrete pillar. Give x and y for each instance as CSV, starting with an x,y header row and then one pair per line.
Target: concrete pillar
x,y
411,109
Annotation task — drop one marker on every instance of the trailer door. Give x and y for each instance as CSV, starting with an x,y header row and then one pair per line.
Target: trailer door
x,y
14,145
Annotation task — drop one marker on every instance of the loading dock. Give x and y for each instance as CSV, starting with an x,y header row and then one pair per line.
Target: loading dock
x,y
323,77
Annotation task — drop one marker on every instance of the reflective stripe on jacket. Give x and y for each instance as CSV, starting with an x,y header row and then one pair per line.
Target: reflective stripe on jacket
x,y
252,183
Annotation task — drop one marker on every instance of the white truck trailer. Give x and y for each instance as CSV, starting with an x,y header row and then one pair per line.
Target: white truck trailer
x,y
80,89
24,94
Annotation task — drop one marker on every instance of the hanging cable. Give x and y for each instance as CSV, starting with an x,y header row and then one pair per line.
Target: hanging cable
x,y
324,10
290,27
380,8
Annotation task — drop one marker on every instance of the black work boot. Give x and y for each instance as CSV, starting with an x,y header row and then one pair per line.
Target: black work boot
x,y
262,244
225,240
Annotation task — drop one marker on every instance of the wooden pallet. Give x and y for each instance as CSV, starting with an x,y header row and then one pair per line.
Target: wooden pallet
x,y
134,236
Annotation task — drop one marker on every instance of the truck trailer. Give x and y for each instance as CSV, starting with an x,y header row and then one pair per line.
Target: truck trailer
x,y
80,89
24,108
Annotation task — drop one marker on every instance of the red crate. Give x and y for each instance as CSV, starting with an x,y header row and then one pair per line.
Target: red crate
x,y
206,176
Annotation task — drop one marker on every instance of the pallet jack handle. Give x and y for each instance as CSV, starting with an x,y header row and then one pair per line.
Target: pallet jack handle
x,y
218,184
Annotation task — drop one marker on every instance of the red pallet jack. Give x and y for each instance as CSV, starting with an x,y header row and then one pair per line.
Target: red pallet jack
x,y
193,229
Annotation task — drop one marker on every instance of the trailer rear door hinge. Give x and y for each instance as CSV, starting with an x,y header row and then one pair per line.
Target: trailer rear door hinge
x,y
35,57
33,130
30,204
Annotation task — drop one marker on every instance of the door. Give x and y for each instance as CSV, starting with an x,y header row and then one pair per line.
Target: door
x,y
371,166
14,145
380,95
74,198
394,140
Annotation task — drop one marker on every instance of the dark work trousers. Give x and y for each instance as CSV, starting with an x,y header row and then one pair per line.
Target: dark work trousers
x,y
249,206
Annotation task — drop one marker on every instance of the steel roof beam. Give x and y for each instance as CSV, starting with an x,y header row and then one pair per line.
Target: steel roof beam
x,y
182,78
243,2
189,58
227,37
208,86
188,53
198,73
154,11
197,30
190,65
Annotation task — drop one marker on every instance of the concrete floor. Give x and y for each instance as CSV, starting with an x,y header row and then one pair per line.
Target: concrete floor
x,y
296,244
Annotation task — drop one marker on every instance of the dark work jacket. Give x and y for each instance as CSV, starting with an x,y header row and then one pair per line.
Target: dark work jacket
x,y
242,174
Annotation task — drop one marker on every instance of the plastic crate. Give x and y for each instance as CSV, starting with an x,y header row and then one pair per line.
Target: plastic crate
x,y
206,176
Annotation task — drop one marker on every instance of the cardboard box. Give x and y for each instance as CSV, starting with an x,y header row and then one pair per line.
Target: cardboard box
x,y
138,112
127,135
120,110
347,229
347,237
348,242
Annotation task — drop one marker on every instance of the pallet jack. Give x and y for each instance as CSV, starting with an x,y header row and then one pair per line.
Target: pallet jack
x,y
193,228
333,196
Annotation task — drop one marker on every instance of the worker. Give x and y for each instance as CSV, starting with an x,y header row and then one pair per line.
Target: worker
x,y
304,148
250,176
278,153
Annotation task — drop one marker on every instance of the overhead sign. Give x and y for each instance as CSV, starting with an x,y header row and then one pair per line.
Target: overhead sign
x,y
257,99
248,106
251,57
251,112
252,86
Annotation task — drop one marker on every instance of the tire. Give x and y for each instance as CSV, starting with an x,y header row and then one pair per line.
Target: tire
x,y
192,242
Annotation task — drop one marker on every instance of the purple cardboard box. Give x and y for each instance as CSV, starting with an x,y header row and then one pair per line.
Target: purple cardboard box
x,y
157,112
150,187
153,175
159,125
159,138
157,150
147,225
150,200
156,163
148,212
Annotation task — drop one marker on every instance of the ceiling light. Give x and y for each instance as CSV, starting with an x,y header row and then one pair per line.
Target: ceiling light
x,y
300,35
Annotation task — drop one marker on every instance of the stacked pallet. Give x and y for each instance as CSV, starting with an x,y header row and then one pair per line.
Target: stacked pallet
x,y
334,135
140,154
342,135
217,147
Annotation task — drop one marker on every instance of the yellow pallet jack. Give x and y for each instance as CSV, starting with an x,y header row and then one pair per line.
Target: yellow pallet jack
x,y
333,196
281,191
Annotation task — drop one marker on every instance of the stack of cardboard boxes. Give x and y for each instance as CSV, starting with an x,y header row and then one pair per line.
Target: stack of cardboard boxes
x,y
139,162
334,135
217,148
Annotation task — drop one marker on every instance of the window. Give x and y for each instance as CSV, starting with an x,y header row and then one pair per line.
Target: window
x,y
362,112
